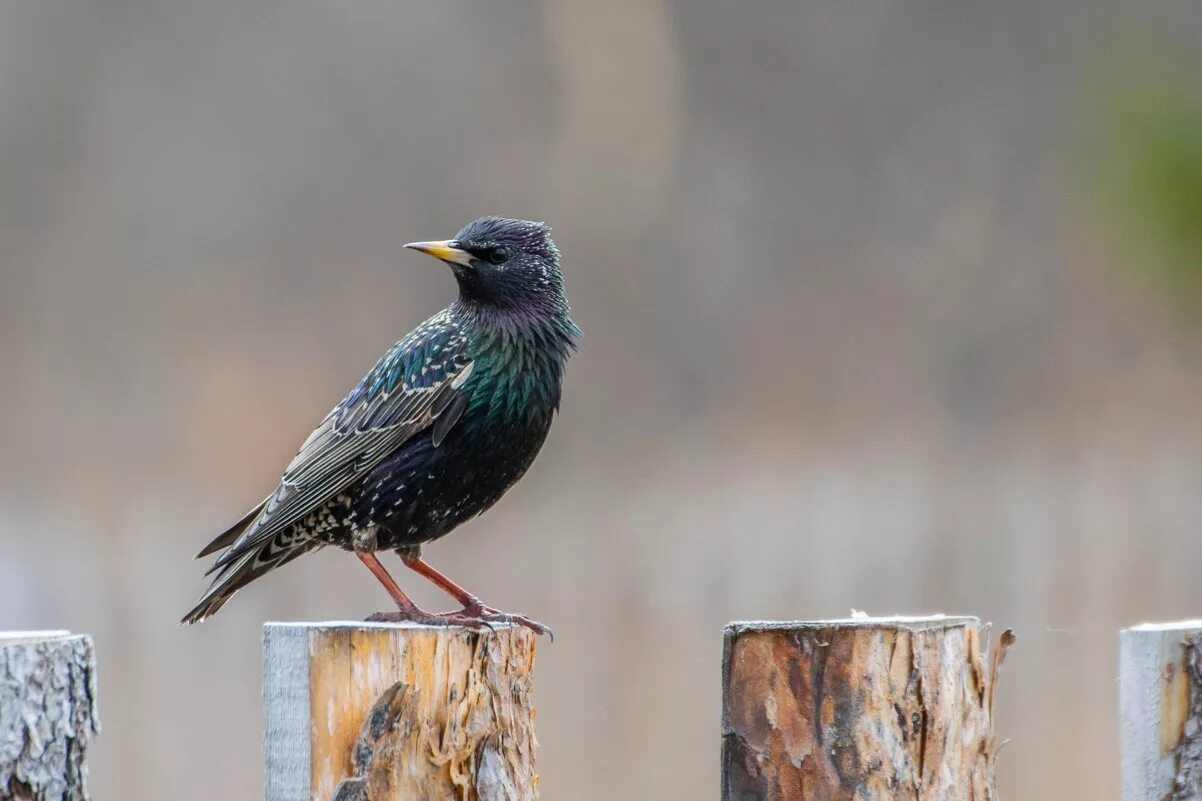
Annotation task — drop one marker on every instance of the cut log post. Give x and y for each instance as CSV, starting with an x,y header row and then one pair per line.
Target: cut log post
x,y
1160,711
859,709
392,712
47,715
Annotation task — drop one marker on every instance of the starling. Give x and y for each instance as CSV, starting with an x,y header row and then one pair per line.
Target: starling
x,y
447,421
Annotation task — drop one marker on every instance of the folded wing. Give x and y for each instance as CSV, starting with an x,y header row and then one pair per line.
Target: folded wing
x,y
408,391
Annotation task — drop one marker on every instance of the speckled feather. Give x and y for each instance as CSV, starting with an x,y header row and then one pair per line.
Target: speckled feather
x,y
435,433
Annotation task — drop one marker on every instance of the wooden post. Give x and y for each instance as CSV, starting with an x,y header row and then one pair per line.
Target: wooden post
x,y
859,709
47,715
393,712
1160,711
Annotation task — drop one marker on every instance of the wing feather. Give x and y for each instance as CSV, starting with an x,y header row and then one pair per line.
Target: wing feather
x,y
447,419
411,387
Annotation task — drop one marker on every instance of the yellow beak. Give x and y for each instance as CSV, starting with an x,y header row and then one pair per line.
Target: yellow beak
x,y
445,250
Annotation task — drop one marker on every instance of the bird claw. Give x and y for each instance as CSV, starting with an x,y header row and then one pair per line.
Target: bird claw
x,y
484,617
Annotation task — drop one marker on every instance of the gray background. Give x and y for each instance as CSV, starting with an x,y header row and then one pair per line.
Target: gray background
x,y
864,328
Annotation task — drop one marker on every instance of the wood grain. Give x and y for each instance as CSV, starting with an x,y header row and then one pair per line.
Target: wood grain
x,y
858,710
401,712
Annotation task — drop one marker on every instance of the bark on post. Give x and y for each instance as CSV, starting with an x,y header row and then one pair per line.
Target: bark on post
x,y
859,709
47,715
1160,711
384,712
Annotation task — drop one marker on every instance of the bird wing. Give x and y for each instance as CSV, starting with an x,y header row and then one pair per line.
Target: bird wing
x,y
410,388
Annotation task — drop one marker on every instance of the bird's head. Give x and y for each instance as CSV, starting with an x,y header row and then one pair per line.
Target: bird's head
x,y
502,263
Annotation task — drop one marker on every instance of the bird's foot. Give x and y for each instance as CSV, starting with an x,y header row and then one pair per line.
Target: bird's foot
x,y
472,617
486,615
413,615
424,618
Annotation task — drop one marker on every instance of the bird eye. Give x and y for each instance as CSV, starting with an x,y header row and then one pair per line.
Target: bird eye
x,y
497,254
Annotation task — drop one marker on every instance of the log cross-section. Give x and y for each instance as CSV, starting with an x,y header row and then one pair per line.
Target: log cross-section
x,y
859,710
381,712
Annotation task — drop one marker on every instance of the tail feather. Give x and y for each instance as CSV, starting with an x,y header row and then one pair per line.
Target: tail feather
x,y
274,553
227,537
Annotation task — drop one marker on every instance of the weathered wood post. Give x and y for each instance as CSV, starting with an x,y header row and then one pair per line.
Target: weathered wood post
x,y
393,712
859,709
47,715
1160,711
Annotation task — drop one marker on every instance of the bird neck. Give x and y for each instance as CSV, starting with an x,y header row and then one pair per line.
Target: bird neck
x,y
519,357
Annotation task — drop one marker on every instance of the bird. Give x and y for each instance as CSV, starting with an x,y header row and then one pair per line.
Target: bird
x,y
443,425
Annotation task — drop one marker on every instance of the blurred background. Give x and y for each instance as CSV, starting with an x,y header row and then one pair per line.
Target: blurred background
x,y
891,306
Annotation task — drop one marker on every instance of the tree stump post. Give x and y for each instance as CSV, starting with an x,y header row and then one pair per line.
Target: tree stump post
x,y
393,712
1160,711
859,710
47,715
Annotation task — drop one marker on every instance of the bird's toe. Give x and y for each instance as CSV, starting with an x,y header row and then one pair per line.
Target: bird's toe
x,y
512,618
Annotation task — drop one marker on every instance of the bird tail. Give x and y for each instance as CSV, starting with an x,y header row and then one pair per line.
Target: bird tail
x,y
227,537
276,552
